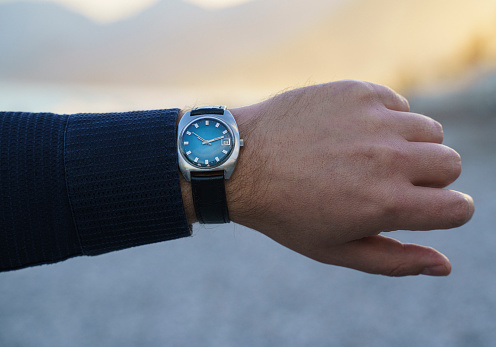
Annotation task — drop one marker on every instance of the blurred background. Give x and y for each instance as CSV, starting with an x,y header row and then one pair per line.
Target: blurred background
x,y
230,286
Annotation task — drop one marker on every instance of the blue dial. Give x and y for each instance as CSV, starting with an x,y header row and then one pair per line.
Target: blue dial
x,y
207,142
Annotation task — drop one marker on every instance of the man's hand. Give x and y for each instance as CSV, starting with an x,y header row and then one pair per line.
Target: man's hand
x,y
327,168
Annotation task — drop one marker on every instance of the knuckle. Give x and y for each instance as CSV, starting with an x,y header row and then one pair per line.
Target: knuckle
x,y
380,212
384,160
395,100
453,162
459,212
393,156
437,129
385,207
456,162
399,269
388,219
398,154
380,152
400,265
359,89
392,205
406,103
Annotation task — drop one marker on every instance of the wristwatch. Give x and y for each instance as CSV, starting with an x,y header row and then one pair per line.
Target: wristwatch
x,y
208,145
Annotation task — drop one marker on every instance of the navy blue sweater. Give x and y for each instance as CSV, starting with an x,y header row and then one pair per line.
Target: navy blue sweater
x,y
86,184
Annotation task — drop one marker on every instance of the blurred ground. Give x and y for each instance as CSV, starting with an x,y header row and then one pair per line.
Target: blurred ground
x,y
230,286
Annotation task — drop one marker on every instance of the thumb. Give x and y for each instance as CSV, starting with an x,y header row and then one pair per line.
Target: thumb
x,y
386,256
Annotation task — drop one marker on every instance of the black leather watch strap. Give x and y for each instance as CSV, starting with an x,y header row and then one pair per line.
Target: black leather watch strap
x,y
209,197
207,110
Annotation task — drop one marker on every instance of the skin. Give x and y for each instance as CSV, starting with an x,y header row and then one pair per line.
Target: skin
x,y
327,168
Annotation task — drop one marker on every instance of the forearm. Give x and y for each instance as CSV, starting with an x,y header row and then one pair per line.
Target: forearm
x,y
86,184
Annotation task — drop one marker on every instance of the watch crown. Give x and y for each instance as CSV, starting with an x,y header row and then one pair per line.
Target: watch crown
x,y
241,142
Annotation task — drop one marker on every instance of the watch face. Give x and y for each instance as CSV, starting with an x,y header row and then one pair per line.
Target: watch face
x,y
206,142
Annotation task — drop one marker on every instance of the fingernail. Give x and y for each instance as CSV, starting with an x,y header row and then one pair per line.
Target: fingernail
x,y
436,270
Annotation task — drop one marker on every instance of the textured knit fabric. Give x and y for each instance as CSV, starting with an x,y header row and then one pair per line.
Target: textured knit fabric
x,y
36,224
86,184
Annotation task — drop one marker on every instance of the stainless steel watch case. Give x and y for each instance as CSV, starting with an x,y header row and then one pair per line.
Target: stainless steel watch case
x,y
229,164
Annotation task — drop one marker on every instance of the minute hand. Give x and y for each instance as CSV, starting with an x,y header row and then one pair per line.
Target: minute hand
x,y
212,140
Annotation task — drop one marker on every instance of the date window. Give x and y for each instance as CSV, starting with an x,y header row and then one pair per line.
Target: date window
x,y
226,142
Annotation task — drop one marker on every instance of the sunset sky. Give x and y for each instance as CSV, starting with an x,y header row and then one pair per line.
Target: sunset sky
x,y
112,10
404,44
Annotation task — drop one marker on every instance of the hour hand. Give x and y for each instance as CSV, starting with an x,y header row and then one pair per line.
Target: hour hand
x,y
201,139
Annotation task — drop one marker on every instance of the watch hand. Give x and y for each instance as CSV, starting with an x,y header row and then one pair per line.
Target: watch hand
x,y
208,141
201,138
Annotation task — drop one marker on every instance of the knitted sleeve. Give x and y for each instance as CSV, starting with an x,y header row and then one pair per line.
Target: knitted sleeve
x,y
86,184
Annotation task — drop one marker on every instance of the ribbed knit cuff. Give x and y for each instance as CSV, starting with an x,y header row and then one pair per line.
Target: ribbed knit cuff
x,y
122,179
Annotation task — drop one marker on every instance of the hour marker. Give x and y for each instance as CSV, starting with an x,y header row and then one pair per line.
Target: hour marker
x,y
206,162
188,152
217,159
196,126
196,160
224,132
207,122
217,125
188,133
224,151
186,143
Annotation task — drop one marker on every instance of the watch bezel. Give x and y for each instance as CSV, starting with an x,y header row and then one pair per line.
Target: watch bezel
x,y
181,142
228,164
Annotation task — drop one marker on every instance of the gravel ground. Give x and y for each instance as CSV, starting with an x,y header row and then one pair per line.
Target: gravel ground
x,y
231,286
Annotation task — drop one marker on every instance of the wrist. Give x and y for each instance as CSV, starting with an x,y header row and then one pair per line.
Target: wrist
x,y
244,187
239,184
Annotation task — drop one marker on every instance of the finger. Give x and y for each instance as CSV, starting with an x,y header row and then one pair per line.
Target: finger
x,y
386,256
432,165
424,208
415,127
391,99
